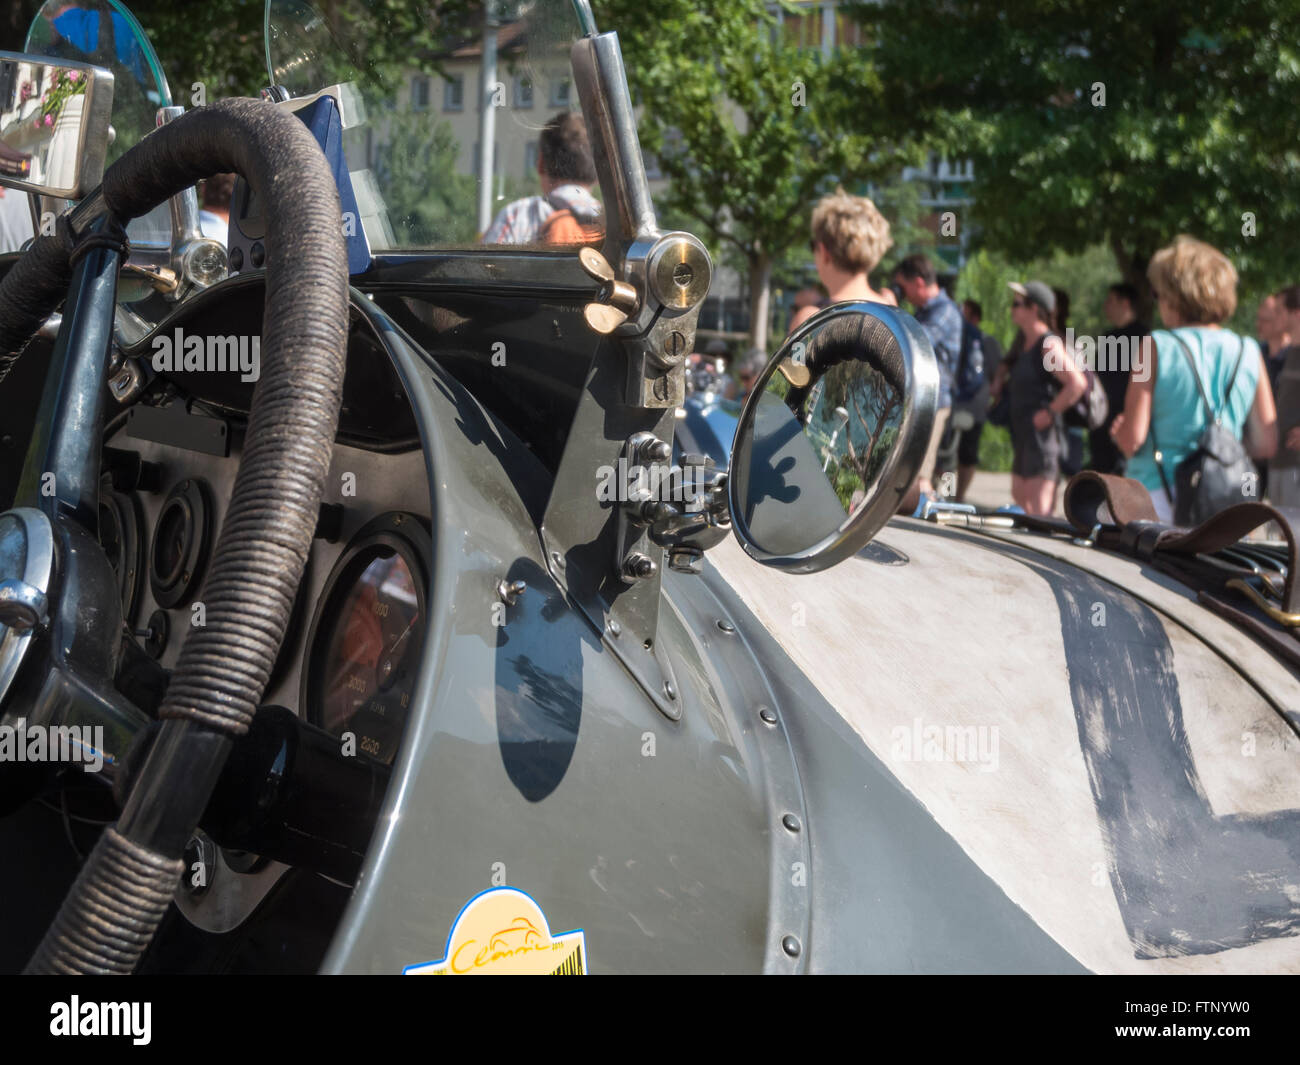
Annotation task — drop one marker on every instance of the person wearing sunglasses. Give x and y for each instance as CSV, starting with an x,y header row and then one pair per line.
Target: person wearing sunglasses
x,y
1045,382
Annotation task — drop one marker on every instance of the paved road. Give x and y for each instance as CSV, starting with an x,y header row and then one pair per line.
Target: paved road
x,y
994,490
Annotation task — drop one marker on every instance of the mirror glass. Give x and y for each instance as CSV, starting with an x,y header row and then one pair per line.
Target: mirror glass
x,y
832,436
53,125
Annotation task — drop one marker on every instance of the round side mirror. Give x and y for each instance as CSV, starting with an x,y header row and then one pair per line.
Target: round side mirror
x,y
832,436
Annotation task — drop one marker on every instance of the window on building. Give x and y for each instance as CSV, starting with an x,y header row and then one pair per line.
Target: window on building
x,y
560,92
524,93
530,159
453,92
419,94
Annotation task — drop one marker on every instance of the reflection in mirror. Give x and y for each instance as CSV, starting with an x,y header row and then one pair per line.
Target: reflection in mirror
x,y
832,436
53,125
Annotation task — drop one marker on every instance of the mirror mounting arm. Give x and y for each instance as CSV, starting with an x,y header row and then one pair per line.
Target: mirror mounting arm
x,y
188,244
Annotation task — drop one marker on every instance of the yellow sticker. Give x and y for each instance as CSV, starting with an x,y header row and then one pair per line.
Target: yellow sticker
x,y
501,932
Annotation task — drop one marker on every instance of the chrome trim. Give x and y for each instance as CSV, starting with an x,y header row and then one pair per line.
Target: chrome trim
x,y
92,133
26,556
587,20
901,468
601,80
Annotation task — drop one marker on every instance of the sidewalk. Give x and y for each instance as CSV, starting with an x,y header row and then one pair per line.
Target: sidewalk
x,y
994,490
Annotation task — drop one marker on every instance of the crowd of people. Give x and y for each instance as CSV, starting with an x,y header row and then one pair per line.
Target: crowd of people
x,y
1167,391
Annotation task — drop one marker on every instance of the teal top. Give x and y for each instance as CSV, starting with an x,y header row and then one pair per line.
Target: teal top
x,y
1177,413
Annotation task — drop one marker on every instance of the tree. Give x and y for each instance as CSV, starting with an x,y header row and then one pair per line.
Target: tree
x,y
427,200
220,45
750,129
1120,124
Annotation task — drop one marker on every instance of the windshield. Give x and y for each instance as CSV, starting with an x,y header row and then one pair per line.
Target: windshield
x,y
439,154
106,34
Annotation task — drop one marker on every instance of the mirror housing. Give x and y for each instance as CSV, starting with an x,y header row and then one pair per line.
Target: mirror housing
x,y
858,374
54,125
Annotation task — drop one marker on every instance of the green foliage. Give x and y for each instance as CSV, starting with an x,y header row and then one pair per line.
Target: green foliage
x,y
984,279
749,129
428,201
217,45
995,449
1198,126
900,202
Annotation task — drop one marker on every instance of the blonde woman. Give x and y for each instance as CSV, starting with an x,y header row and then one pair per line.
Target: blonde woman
x,y
849,238
1196,289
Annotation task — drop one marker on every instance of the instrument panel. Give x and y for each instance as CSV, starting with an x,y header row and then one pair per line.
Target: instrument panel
x,y
360,615
365,640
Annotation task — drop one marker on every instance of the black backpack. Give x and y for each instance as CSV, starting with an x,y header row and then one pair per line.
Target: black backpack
x,y
1091,409
1211,478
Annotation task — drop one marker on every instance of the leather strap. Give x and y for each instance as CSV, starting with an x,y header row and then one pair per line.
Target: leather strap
x,y
1134,529
1126,499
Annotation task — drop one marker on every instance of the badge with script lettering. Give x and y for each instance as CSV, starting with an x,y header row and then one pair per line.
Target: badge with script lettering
x,y
504,932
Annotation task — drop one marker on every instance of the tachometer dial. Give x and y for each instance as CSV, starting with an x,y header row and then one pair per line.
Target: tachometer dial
x,y
368,635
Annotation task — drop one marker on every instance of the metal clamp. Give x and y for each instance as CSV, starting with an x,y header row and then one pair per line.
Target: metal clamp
x,y
1090,539
1290,621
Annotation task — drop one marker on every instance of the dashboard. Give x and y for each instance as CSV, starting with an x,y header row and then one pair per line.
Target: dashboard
x,y
351,654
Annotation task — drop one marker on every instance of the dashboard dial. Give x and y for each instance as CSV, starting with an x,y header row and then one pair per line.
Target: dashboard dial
x,y
368,635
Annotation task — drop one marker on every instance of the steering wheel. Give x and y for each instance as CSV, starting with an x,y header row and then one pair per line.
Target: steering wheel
x,y
58,596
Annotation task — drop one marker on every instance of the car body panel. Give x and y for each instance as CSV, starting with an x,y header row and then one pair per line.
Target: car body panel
x,y
1142,801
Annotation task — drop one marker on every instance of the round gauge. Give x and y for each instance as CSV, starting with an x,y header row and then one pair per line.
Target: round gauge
x,y
368,634
181,539
121,534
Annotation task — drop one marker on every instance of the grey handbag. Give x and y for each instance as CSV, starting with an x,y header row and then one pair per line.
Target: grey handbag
x,y
1214,475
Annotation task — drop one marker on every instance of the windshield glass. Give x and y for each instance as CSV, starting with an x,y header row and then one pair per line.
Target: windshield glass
x,y
439,154
105,33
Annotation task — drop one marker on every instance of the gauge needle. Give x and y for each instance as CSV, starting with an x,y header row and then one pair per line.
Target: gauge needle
x,y
386,664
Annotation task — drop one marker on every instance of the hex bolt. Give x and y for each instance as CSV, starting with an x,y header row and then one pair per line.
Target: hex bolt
x,y
510,591
639,567
653,450
655,510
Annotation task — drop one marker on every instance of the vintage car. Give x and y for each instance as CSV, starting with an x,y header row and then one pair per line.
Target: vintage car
x,y
356,618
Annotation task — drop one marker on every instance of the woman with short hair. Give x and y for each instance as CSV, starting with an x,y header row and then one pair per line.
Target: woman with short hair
x,y
1195,286
1044,382
849,238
